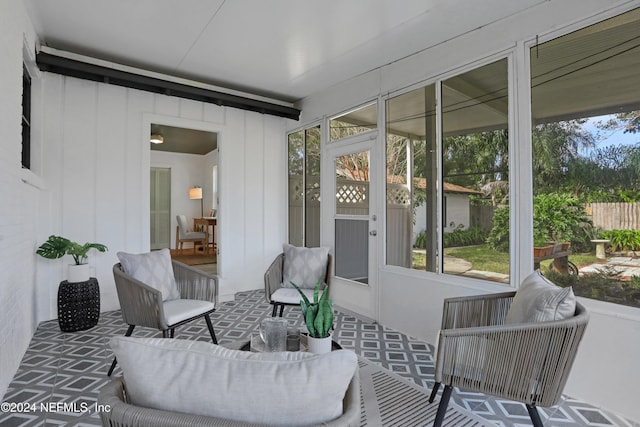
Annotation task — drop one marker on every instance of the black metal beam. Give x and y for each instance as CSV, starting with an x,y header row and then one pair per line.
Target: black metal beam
x,y
83,70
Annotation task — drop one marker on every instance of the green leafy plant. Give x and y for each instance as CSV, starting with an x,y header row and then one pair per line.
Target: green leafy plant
x,y
498,238
557,217
622,240
471,236
421,240
318,315
57,246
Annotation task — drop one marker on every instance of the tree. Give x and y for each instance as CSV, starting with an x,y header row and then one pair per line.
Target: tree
x,y
628,122
476,159
555,145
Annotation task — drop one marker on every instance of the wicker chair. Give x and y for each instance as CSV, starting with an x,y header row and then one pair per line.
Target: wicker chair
x,y
528,363
273,282
142,305
123,414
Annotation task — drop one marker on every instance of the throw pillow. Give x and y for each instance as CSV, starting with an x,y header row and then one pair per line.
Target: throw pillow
x,y
540,300
304,266
153,269
200,378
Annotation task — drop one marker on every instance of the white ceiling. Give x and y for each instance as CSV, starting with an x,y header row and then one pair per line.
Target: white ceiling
x,y
285,49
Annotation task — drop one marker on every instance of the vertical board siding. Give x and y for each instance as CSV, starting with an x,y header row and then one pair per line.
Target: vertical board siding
x,y
98,164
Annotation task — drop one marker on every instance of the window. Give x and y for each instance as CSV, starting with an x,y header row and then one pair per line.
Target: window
x,y
411,192
472,168
26,118
585,103
475,172
304,187
358,121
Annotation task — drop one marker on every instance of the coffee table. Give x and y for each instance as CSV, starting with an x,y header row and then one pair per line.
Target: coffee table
x,y
245,344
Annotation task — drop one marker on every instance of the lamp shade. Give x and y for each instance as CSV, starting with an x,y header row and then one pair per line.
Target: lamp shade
x,y
156,138
195,193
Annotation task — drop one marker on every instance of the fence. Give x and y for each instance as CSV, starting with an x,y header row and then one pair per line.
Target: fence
x,y
614,216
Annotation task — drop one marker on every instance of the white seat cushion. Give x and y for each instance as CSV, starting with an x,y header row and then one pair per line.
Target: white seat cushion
x,y
197,377
291,295
194,235
177,310
153,269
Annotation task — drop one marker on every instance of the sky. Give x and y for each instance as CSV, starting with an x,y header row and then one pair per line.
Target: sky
x,y
609,138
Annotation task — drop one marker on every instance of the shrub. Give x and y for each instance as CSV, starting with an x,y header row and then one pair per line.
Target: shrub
x,y
421,240
498,237
558,217
470,236
622,240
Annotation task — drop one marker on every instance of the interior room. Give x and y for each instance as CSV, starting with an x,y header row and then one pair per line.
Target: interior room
x,y
378,133
187,160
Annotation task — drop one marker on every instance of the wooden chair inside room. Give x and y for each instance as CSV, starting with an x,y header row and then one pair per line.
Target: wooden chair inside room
x,y
196,237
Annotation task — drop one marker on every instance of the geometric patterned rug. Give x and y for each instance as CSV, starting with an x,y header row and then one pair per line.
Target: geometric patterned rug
x,y
64,371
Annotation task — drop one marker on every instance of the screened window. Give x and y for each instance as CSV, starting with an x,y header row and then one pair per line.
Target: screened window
x,y
304,187
26,118
355,122
445,193
586,158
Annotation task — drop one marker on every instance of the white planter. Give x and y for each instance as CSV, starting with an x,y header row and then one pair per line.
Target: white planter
x,y
319,345
78,273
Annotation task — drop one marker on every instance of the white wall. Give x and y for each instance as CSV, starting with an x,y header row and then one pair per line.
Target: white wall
x,y
91,183
606,372
97,174
19,206
457,212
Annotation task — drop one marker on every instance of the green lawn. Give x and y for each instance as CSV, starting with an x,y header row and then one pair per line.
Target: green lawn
x,y
483,258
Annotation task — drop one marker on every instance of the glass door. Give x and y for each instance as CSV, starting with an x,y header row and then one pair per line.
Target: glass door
x,y
352,216
354,224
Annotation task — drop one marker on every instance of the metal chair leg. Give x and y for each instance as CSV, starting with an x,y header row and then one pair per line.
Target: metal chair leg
x,y
172,332
534,415
275,310
442,407
434,392
281,309
115,360
210,326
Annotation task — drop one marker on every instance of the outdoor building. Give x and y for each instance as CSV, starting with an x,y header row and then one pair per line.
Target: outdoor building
x,y
468,117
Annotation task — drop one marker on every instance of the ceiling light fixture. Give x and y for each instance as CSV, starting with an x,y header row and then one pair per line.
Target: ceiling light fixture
x,y
156,138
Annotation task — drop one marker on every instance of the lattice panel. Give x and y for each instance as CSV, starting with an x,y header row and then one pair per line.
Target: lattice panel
x,y
398,195
353,192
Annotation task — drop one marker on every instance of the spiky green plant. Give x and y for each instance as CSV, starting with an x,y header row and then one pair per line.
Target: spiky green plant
x,y
318,315
56,247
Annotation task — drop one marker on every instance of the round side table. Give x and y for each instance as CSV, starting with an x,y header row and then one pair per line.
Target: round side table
x,y
78,305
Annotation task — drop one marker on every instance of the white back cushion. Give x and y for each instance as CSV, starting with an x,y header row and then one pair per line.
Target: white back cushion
x,y
540,300
153,269
197,377
304,266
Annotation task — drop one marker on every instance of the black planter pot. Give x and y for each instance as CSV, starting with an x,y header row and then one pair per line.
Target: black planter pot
x,y
78,305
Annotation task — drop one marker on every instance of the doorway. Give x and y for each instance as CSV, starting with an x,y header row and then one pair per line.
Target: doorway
x,y
181,157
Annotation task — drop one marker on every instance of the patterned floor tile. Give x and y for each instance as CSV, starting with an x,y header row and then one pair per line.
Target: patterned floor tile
x,y
66,370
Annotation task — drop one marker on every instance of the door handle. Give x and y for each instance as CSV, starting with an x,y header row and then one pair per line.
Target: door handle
x,y
373,233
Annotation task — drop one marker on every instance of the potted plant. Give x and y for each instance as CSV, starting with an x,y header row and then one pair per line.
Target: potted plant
x,y
57,246
318,316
